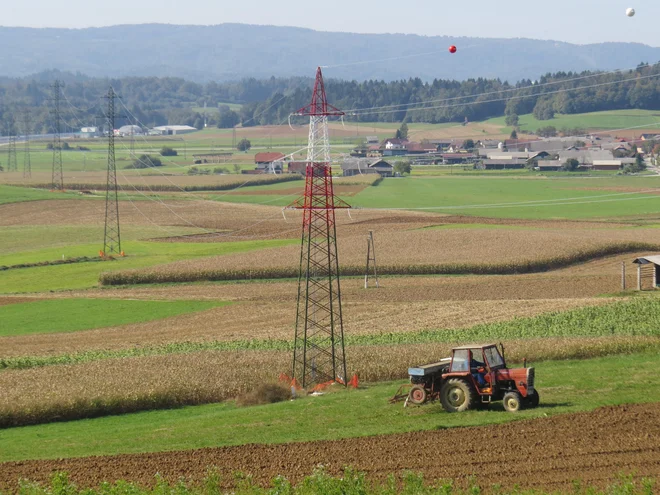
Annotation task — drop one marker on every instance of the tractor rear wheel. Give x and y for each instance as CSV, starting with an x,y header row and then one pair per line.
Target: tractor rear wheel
x,y
532,400
457,395
417,395
513,401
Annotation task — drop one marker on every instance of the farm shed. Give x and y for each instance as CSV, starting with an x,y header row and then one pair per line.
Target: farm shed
x,y
360,166
297,168
648,269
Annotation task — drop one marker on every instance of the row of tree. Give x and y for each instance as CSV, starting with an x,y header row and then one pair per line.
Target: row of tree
x,y
159,101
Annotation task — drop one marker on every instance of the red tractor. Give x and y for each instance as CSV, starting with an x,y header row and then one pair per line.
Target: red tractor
x,y
474,376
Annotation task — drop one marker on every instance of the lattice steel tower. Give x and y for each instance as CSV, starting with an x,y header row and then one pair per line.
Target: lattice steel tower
x,y
318,354
57,175
111,236
27,130
12,161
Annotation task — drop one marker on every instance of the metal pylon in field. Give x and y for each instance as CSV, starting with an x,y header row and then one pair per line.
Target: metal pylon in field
x,y
318,355
12,161
27,130
57,174
111,234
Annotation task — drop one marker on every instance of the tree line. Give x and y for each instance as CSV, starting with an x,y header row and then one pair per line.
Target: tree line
x,y
153,101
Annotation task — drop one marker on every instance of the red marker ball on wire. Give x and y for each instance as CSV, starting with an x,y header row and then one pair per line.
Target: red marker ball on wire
x,y
452,49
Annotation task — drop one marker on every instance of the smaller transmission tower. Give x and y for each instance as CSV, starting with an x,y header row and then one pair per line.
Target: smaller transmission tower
x,y
27,130
57,175
111,235
12,162
371,260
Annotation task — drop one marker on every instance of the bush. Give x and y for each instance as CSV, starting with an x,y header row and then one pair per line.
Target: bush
x,y
244,145
266,393
220,170
198,171
167,151
145,161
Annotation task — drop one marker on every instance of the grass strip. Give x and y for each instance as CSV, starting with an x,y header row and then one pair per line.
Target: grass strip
x,y
350,482
638,317
161,275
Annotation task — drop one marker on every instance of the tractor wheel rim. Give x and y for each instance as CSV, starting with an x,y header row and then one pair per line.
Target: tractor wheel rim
x,y
512,403
456,397
418,394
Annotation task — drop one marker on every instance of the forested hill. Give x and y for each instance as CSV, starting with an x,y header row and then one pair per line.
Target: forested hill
x,y
234,51
158,101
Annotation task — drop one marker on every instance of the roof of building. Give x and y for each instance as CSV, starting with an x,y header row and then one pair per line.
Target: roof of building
x,y
514,161
421,147
175,128
549,163
648,259
268,156
360,163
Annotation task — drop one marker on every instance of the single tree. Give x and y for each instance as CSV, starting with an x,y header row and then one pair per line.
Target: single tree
x,y
237,168
402,167
402,132
468,144
244,145
571,165
511,120
514,134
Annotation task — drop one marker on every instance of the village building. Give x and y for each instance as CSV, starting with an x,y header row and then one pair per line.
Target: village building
x,y
363,166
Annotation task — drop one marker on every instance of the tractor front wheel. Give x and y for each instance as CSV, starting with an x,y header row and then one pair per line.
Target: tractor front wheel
x,y
417,395
532,400
457,395
513,401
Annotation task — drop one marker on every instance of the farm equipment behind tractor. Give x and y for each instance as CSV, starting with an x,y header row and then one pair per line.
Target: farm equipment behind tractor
x,y
475,375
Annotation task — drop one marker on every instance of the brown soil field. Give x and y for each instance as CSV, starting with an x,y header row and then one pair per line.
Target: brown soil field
x,y
407,245
267,320
547,453
127,177
401,304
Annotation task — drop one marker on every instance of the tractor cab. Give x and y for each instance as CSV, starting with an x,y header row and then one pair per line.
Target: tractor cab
x,y
478,374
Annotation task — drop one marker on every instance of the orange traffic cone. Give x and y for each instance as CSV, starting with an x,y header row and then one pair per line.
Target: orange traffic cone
x,y
354,382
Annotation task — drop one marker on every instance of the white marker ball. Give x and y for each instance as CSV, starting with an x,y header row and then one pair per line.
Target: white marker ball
x,y
630,12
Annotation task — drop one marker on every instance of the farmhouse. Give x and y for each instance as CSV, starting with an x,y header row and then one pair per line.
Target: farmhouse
x,y
504,164
361,166
270,162
130,130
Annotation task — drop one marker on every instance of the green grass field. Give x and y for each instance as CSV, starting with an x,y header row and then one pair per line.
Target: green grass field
x,y
615,119
9,194
565,386
500,197
139,254
72,315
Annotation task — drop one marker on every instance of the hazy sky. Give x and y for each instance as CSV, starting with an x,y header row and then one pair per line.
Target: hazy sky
x,y
577,21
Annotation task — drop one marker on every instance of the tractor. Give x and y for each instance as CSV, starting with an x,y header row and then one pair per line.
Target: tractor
x,y
474,376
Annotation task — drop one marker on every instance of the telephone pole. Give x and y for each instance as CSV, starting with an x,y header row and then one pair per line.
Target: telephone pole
x,y
111,234
57,175
27,129
371,260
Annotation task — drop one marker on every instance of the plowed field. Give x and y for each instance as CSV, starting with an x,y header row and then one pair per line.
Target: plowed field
x,y
541,453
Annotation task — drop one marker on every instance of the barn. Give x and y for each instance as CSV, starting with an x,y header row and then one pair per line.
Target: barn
x,y
648,272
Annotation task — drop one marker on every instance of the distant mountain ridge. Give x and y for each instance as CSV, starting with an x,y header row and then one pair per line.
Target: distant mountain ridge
x,y
234,51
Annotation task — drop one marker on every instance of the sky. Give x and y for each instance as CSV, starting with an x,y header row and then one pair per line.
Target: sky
x,y
575,21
